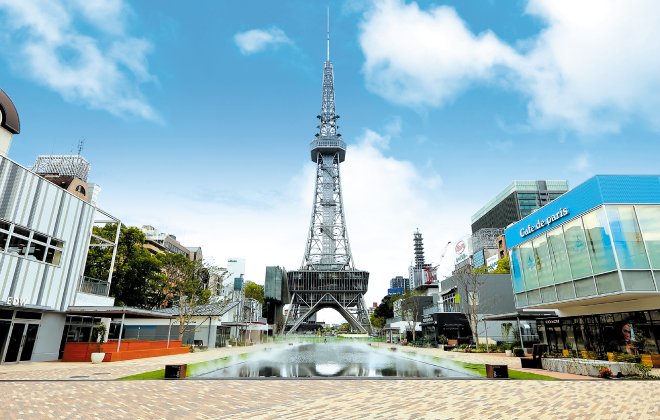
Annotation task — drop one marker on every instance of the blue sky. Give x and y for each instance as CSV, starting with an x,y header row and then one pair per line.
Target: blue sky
x,y
197,119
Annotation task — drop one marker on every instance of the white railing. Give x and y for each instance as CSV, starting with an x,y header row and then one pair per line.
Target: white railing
x,y
328,143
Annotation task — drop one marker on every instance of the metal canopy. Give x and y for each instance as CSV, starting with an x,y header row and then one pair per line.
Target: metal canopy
x,y
116,311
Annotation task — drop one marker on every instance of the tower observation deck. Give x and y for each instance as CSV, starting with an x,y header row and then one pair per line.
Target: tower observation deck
x,y
327,277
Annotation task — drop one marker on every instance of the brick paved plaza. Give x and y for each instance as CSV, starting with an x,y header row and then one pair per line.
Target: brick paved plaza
x,y
93,394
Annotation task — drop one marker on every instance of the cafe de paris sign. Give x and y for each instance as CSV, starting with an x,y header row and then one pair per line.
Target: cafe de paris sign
x,y
541,223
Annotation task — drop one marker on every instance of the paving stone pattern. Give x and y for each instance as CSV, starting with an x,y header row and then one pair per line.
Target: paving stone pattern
x,y
331,399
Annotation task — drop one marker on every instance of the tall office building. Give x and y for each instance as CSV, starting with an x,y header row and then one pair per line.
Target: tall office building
x,y
518,200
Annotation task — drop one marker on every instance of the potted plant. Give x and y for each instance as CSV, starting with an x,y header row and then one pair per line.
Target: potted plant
x,y
99,335
442,342
507,349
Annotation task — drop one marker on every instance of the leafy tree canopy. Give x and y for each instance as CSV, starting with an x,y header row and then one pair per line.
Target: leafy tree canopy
x,y
136,278
255,291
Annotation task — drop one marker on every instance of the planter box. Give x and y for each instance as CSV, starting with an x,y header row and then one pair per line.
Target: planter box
x,y
588,367
651,359
128,350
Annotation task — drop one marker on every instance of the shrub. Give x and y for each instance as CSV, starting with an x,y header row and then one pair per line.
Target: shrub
x,y
442,339
644,369
605,373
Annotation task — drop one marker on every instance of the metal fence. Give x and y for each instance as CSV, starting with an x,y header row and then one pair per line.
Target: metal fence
x,y
94,286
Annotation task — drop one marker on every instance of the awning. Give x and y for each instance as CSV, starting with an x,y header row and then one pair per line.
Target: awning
x,y
116,312
513,316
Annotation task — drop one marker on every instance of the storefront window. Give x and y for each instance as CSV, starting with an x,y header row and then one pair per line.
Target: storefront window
x,y
548,294
608,283
528,266
533,297
516,272
577,249
637,280
558,257
598,242
542,258
585,287
649,220
565,291
627,237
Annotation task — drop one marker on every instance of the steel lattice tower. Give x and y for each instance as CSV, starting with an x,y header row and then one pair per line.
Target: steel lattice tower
x,y
327,277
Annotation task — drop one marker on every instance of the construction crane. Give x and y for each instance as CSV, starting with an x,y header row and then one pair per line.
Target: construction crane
x,y
435,269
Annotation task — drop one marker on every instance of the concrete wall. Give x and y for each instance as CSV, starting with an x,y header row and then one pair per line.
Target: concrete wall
x,y
47,346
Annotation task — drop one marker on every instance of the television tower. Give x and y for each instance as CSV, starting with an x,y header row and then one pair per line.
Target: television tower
x,y
327,277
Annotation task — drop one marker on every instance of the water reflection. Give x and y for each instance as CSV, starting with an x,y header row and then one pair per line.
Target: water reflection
x,y
332,360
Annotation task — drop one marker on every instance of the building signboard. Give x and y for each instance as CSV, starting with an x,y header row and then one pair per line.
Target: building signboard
x,y
395,291
14,301
461,249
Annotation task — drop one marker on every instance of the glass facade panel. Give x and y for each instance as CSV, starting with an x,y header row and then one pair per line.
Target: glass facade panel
x,y
542,258
528,266
533,297
649,220
521,299
585,287
577,249
598,241
558,257
627,237
548,294
637,280
608,283
516,272
565,291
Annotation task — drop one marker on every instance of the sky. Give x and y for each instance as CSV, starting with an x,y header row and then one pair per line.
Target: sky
x,y
197,118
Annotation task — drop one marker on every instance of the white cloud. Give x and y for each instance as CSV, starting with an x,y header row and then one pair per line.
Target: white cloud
x,y
591,69
104,72
258,40
581,164
385,200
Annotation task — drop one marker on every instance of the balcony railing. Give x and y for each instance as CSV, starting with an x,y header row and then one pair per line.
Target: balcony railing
x,y
328,143
94,286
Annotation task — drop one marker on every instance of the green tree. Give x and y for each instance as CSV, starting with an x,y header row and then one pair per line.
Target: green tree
x,y
376,321
136,278
502,268
255,291
185,286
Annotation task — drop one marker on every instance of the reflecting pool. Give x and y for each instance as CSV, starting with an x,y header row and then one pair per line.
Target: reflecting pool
x,y
334,360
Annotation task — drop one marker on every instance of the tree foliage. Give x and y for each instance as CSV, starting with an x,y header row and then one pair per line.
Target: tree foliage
x,y
411,310
502,268
136,279
185,286
255,291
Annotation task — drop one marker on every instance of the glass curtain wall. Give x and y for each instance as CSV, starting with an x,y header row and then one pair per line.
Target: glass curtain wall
x,y
579,258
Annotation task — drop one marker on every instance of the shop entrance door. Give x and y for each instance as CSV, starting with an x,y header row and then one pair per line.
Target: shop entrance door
x,y
21,342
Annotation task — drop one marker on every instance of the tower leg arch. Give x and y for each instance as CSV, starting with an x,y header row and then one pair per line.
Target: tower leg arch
x,y
330,303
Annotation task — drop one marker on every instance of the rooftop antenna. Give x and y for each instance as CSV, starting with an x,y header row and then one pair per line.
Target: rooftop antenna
x,y
81,145
328,34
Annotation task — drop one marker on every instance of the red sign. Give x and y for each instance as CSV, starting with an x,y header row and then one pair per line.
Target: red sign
x,y
460,247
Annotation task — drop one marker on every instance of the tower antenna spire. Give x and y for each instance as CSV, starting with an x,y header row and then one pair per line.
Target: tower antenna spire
x,y
328,34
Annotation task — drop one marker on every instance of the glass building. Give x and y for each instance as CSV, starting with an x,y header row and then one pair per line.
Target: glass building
x,y
519,199
593,251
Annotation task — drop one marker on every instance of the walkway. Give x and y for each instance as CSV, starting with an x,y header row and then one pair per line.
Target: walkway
x,y
331,399
486,358
113,370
